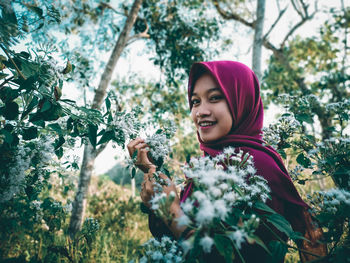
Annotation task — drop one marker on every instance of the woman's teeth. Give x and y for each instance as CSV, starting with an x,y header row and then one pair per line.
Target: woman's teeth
x,y
205,124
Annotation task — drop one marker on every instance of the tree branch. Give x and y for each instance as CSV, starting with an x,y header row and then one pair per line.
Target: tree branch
x,y
297,9
143,34
234,16
281,13
304,17
100,149
14,64
106,5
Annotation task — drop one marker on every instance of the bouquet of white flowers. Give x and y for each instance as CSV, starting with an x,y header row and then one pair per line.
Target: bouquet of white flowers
x,y
226,207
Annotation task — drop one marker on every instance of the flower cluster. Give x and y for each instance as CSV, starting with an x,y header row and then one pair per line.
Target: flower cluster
x,y
127,123
165,250
339,107
332,209
159,146
220,185
31,156
336,200
159,143
278,132
332,158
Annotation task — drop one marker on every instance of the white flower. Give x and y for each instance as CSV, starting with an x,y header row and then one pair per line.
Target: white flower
x,y
186,246
221,208
215,191
187,206
183,221
230,197
238,237
157,255
206,212
199,196
206,243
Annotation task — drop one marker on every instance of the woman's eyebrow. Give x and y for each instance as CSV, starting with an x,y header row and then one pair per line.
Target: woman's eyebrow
x,y
208,91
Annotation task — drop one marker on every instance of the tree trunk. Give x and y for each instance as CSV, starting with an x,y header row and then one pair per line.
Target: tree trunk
x,y
90,153
258,41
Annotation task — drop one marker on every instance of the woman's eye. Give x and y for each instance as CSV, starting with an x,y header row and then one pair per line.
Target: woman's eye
x,y
215,98
194,101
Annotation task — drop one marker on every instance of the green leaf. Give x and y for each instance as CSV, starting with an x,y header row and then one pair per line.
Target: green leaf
x,y
7,94
223,245
54,113
133,172
28,84
259,242
278,251
263,207
92,134
108,103
59,152
56,127
30,133
10,110
303,160
46,106
59,142
33,103
280,223
282,153
107,136
8,136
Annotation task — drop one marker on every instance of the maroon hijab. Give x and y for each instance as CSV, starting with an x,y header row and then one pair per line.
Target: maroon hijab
x,y
241,89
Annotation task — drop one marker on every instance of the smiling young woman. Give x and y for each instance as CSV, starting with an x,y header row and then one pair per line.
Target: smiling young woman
x,y
226,108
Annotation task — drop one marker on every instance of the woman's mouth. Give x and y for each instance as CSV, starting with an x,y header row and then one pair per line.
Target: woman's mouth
x,y
206,124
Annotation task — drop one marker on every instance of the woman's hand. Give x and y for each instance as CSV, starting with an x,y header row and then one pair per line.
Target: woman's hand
x,y
147,193
148,185
142,161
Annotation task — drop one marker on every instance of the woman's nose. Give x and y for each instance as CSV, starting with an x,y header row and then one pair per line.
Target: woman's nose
x,y
202,111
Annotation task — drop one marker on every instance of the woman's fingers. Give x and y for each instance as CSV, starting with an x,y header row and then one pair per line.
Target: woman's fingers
x,y
132,144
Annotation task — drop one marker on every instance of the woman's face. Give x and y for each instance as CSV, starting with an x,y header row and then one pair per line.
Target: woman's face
x,y
210,112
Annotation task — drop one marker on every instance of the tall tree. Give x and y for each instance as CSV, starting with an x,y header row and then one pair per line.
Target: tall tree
x,y
90,153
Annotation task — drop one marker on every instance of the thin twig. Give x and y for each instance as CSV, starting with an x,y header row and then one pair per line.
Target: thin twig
x,y
276,21
113,9
234,16
14,64
295,27
297,9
